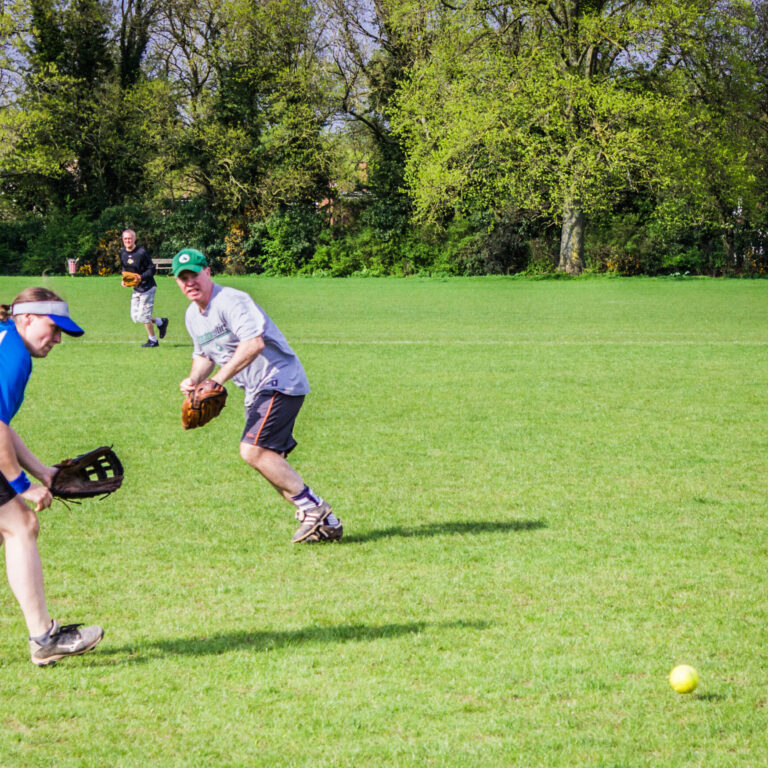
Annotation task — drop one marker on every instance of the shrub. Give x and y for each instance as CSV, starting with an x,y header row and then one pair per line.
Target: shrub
x,y
188,223
542,259
624,244
15,237
63,236
285,243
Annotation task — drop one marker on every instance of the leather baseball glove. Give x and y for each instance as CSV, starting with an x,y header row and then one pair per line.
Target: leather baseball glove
x,y
204,403
130,279
95,473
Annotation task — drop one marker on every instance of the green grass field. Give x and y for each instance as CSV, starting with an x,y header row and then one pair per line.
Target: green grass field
x,y
552,491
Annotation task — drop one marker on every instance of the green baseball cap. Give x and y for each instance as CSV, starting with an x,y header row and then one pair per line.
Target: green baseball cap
x,y
188,258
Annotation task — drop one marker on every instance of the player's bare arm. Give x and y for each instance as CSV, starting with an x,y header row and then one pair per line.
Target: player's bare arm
x,y
11,465
29,461
245,353
201,368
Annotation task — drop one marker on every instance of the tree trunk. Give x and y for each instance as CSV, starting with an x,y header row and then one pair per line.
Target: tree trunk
x,y
572,241
729,243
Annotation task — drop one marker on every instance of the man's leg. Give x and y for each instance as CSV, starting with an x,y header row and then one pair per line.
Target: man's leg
x,y
274,468
318,522
162,325
141,311
269,422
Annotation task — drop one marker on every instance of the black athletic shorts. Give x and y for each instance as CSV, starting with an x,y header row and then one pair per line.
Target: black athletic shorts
x,y
6,492
269,421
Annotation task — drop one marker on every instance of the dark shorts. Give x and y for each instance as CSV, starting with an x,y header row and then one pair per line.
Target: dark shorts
x,y
6,492
269,421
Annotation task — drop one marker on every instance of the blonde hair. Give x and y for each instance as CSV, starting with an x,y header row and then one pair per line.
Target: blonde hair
x,y
35,293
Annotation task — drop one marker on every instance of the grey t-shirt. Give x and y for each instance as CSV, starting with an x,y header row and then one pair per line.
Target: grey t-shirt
x,y
233,316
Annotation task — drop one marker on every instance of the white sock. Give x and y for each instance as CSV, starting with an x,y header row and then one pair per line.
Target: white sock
x,y
45,637
307,499
332,520
153,337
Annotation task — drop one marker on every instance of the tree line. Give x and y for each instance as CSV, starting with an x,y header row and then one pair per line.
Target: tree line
x,y
387,137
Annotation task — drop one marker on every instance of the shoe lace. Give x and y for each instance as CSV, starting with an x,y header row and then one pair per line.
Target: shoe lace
x,y
66,629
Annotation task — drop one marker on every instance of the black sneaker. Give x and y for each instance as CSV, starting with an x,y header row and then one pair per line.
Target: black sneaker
x,y
150,343
163,329
64,641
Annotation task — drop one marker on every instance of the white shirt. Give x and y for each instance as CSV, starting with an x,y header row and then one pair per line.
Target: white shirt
x,y
233,316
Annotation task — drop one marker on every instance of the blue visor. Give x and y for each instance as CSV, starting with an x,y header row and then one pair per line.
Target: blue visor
x,y
67,324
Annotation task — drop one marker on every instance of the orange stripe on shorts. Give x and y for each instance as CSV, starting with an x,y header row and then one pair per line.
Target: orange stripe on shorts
x,y
264,421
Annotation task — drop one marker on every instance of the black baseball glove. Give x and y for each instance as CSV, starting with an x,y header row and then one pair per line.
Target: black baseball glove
x,y
96,473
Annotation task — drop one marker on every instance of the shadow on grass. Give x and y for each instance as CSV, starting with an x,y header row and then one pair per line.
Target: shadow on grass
x,y
463,528
259,641
710,696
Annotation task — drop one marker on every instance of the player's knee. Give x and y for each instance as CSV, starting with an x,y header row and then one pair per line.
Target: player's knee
x,y
31,525
251,454
19,520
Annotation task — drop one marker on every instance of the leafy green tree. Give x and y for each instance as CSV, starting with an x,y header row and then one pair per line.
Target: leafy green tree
x,y
715,180
252,102
82,127
8,32
369,54
51,126
136,20
547,106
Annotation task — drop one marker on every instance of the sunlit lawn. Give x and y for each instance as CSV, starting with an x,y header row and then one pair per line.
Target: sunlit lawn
x,y
552,492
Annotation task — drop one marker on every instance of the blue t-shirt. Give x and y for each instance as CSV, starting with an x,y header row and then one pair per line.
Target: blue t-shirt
x,y
15,370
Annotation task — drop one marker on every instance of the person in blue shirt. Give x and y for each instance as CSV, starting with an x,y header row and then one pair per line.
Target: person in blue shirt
x,y
30,328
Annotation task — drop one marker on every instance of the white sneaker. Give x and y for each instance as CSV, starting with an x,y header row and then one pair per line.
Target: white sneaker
x,y
65,641
327,532
310,520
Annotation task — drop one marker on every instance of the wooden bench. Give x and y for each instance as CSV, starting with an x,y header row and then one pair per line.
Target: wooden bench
x,y
163,265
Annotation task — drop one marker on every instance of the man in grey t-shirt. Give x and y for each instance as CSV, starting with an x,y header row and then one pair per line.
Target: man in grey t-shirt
x,y
230,330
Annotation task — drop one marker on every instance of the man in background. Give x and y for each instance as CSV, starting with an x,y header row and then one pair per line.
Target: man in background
x,y
136,259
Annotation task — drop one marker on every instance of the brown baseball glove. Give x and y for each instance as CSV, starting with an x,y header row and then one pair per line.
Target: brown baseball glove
x,y
130,279
95,473
204,403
